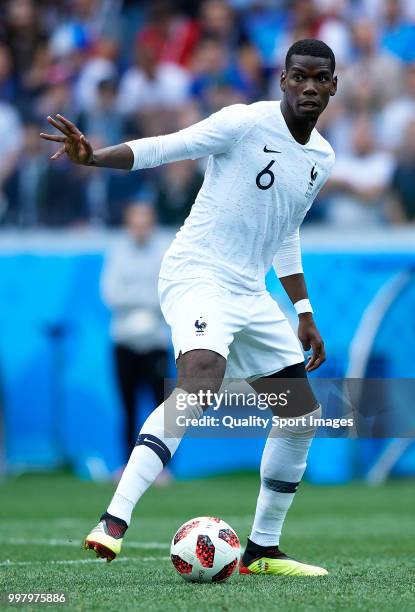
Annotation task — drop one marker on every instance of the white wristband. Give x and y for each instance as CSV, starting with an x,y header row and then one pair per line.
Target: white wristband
x,y
303,306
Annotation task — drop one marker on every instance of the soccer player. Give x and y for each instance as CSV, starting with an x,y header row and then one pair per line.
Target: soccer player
x,y
267,162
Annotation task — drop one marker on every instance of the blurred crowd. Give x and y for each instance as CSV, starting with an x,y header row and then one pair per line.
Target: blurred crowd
x,y
125,69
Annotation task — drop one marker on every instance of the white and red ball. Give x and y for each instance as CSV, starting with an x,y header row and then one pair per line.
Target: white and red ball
x,y
205,549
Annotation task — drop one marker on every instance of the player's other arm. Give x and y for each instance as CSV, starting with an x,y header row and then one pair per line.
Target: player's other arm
x,y
288,267
212,136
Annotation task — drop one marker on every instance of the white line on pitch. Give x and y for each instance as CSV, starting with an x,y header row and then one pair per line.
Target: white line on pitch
x,y
75,543
9,563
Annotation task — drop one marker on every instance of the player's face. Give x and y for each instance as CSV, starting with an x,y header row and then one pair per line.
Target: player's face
x,y
307,85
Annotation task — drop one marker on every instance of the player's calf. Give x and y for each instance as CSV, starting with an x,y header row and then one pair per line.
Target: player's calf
x,y
158,440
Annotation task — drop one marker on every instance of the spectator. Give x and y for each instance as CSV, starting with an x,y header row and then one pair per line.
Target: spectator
x,y
38,77
359,182
188,114
67,57
397,115
217,81
56,98
265,26
177,192
249,66
171,36
403,183
304,19
86,22
374,78
218,20
11,139
333,29
101,66
23,32
302,23
152,85
398,33
102,121
40,193
7,82
129,288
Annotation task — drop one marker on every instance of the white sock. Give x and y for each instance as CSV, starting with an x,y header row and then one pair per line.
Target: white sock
x,y
155,446
282,467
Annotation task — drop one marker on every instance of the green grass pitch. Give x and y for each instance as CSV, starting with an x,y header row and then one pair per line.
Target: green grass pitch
x,y
365,537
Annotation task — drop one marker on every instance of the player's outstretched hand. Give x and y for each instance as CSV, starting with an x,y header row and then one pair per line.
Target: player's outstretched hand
x,y
310,338
73,142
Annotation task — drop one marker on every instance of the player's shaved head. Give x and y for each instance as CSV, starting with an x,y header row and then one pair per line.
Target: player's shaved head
x,y
311,47
307,83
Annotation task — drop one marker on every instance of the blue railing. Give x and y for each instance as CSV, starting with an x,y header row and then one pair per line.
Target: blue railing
x,y
59,398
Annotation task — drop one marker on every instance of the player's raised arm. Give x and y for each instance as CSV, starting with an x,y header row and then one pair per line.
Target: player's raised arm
x,y
79,150
213,135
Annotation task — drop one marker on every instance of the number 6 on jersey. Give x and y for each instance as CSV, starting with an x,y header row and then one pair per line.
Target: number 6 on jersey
x,y
266,172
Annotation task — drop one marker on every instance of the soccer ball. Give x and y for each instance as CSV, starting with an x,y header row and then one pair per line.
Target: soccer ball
x,y
205,549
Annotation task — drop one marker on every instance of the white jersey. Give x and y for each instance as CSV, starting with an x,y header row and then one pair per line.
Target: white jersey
x,y
258,186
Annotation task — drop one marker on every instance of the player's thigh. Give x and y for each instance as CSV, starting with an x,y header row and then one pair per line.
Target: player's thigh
x,y
200,370
203,323
266,345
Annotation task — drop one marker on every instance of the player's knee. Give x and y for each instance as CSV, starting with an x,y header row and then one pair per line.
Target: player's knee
x,y
291,381
208,363
297,370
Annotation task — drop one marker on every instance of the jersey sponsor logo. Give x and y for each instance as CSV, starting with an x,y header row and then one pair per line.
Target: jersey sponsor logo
x,y
313,174
267,150
200,326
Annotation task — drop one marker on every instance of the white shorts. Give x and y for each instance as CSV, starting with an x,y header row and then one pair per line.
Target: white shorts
x,y
250,331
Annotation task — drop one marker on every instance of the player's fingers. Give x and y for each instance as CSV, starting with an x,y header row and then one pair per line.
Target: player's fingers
x,y
52,137
59,153
318,357
86,144
71,126
313,357
313,364
57,125
310,363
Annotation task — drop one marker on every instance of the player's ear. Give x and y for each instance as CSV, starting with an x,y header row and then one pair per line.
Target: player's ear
x,y
283,80
333,86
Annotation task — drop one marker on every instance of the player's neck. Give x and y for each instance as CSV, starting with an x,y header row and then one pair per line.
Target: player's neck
x,y
300,130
